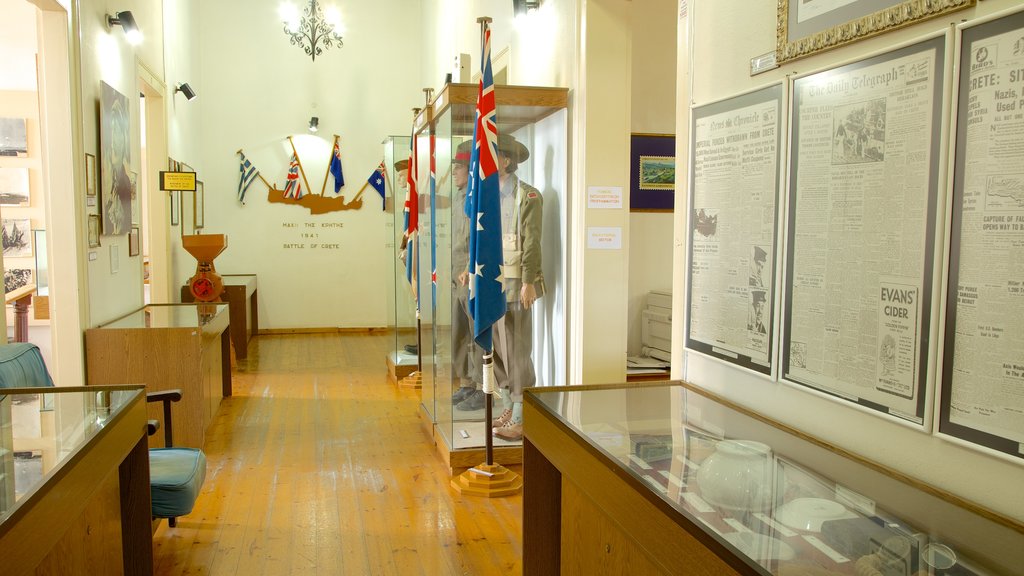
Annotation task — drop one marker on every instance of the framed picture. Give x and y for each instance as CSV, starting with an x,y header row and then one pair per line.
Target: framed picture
x,y
13,137
175,208
652,172
134,178
115,158
94,230
188,212
133,241
90,176
15,278
17,237
807,27
200,218
14,190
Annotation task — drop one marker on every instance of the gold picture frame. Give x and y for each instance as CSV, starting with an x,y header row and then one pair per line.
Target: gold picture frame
x,y
94,230
806,27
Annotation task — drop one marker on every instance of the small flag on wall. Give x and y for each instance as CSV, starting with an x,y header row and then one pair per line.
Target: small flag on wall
x,y
339,178
293,189
377,181
247,175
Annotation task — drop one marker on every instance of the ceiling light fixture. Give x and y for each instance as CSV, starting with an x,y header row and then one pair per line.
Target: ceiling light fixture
x,y
127,23
313,32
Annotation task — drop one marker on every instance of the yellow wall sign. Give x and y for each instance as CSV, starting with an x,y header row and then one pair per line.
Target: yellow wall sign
x,y
181,181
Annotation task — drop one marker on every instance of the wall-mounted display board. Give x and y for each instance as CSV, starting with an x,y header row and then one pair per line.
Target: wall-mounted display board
x,y
734,187
983,354
864,182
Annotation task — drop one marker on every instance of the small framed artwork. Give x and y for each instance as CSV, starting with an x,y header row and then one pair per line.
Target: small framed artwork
x,y
94,230
134,178
200,218
17,237
90,176
175,208
15,278
13,137
652,172
188,213
133,241
14,190
807,27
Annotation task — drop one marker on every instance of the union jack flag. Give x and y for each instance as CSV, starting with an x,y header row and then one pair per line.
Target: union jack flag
x,y
483,206
412,219
293,189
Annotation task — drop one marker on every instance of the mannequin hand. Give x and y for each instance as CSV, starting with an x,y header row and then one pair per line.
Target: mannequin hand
x,y
527,295
464,278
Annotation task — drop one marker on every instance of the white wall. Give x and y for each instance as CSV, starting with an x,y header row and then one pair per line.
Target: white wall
x,y
725,35
255,89
653,112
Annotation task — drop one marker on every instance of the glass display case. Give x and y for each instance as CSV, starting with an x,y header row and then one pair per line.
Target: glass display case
x,y
401,357
73,464
740,493
530,349
41,304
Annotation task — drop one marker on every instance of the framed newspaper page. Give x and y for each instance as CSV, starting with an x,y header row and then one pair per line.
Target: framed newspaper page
x,y
864,184
734,190
807,27
982,388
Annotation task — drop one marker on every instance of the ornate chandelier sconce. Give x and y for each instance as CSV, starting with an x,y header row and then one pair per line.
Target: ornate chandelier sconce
x,y
313,31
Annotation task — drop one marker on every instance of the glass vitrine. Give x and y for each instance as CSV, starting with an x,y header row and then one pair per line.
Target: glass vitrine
x,y
401,356
763,498
530,349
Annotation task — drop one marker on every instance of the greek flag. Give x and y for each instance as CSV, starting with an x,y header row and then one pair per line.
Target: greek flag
x,y
247,175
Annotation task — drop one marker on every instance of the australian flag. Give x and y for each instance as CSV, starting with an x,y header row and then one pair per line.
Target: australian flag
x,y
339,178
412,219
377,181
483,206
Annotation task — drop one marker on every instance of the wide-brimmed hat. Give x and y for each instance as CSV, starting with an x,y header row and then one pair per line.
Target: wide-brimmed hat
x,y
757,296
462,153
402,164
512,148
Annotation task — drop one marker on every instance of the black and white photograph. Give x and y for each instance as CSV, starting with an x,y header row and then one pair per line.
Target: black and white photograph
x,y
15,278
14,187
13,137
17,237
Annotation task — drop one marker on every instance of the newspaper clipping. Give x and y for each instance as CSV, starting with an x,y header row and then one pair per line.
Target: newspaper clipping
x,y
736,162
859,237
987,380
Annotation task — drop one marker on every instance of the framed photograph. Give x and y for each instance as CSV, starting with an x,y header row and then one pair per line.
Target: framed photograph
x,y
136,214
133,241
200,218
846,142
90,176
15,278
13,137
807,27
188,212
17,237
115,160
981,367
652,172
175,208
14,190
735,183
94,230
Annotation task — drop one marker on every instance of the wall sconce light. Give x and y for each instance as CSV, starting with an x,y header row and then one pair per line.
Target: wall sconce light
x,y
523,7
314,124
187,90
127,23
313,31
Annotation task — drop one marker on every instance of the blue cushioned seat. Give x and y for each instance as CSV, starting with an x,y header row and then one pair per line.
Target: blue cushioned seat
x,y
175,478
22,366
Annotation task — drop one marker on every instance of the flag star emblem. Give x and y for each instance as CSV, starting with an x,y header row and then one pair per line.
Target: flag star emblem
x,y
479,225
501,276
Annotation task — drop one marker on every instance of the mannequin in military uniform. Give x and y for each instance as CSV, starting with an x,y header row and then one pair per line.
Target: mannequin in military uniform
x,y
467,357
522,215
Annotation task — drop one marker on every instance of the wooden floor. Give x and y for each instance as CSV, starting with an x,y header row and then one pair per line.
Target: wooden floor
x,y
317,465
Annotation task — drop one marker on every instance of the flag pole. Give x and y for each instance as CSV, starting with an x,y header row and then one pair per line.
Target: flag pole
x,y
299,162
258,174
487,479
328,172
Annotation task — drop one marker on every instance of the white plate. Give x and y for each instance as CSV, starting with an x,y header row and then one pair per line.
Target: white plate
x,y
808,513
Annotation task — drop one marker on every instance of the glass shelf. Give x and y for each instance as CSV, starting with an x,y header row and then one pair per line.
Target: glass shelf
x,y
190,315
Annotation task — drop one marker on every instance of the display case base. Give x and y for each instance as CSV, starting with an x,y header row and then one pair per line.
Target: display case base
x,y
397,372
492,481
460,459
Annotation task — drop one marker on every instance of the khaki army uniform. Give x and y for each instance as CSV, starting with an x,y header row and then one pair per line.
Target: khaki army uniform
x,y
467,357
522,220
